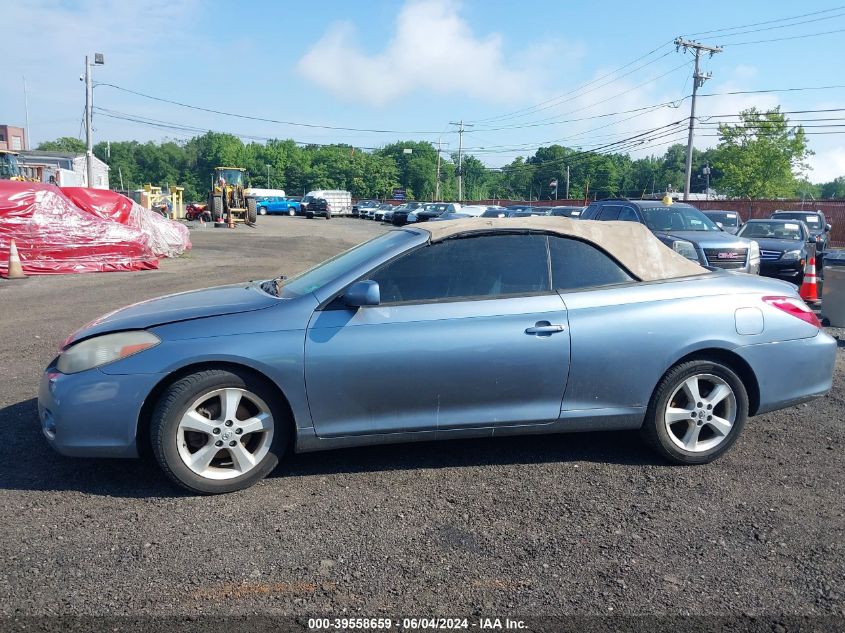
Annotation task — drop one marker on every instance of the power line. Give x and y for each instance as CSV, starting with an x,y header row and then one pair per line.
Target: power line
x,y
752,92
783,39
579,88
745,26
588,106
781,26
263,119
113,114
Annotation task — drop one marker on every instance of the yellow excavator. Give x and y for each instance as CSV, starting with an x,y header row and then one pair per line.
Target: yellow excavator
x,y
9,167
228,202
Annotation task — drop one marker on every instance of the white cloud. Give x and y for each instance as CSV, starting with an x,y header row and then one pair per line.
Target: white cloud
x,y
432,48
827,164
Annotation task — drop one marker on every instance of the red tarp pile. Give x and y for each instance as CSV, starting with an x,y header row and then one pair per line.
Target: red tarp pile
x,y
97,231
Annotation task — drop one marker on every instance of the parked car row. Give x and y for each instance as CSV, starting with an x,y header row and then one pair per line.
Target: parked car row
x,y
715,238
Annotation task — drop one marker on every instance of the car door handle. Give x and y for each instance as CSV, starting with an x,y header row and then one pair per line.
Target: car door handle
x,y
545,328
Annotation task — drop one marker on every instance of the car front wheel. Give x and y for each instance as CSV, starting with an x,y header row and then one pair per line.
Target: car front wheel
x,y
696,413
218,431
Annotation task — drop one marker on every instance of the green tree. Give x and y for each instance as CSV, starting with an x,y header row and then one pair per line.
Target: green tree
x,y
761,156
834,189
63,144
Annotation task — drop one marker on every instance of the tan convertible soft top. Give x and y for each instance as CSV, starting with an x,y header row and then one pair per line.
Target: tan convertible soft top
x,y
631,243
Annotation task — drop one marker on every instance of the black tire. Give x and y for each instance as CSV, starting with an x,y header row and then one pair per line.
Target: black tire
x,y
251,211
206,216
262,210
655,432
179,396
291,211
309,215
217,208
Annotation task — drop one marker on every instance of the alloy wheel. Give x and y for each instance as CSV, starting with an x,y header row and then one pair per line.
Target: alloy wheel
x,y
700,413
225,433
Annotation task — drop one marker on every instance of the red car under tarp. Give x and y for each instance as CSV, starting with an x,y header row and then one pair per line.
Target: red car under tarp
x,y
54,236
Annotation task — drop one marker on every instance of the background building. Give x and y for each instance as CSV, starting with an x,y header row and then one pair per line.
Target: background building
x,y
13,138
66,168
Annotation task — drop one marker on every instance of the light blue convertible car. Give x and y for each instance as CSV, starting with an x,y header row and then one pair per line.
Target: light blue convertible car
x,y
484,328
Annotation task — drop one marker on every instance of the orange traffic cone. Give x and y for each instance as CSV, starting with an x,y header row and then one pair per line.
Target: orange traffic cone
x,y
14,270
809,288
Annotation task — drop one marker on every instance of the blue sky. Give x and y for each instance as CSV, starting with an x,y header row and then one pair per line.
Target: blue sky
x,y
413,66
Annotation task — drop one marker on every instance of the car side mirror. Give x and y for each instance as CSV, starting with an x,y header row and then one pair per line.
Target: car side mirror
x,y
362,293
827,228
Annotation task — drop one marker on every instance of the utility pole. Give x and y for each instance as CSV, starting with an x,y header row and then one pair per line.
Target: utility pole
x,y
89,104
28,135
698,79
567,182
437,184
461,125
89,140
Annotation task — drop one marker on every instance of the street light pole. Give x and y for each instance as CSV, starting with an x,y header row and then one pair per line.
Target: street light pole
x,y
89,104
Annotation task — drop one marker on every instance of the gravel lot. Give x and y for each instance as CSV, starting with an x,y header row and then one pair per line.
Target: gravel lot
x,y
577,524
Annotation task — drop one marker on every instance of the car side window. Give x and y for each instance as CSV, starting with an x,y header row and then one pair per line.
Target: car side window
x,y
576,264
627,214
609,212
486,266
590,212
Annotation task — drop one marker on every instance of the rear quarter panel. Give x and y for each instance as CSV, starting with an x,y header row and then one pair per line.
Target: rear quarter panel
x,y
623,339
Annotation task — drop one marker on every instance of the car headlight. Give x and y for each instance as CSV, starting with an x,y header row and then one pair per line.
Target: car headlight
x,y
682,247
791,256
753,251
107,348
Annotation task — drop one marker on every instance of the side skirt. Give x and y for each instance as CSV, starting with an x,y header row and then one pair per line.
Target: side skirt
x,y
612,419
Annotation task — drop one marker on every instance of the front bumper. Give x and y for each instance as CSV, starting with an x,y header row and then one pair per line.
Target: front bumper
x,y
788,271
791,372
92,414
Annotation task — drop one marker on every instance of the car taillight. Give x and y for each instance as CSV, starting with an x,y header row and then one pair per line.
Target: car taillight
x,y
794,307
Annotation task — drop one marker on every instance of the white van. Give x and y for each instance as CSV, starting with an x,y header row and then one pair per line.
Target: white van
x,y
339,201
265,193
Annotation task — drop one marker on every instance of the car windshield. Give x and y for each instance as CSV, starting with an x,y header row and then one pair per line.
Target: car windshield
x,y
436,208
677,218
325,272
494,213
726,218
773,230
811,219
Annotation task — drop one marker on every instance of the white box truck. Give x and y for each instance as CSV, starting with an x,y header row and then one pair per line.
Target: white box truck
x,y
340,201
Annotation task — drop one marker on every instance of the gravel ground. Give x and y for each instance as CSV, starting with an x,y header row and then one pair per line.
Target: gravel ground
x,y
577,524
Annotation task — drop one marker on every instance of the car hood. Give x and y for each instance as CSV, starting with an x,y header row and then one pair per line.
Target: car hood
x,y
771,244
183,306
709,239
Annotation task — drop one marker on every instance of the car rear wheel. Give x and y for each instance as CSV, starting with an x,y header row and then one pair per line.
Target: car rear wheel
x,y
697,412
218,431
291,211
262,210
